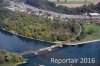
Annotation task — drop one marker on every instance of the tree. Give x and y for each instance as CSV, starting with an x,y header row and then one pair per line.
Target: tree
x,y
65,0
7,57
57,0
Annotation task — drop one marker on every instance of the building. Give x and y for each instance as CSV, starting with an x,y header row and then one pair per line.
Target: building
x,y
94,14
50,17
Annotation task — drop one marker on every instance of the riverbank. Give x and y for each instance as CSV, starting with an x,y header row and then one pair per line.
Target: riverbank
x,y
69,43
20,63
13,32
10,58
13,64
89,38
79,43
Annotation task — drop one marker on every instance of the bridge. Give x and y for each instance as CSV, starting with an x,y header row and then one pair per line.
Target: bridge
x,y
36,52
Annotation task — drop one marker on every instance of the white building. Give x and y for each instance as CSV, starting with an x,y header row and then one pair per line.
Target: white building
x,y
94,14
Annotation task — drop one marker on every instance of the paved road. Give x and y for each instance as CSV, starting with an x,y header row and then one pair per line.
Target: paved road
x,y
25,6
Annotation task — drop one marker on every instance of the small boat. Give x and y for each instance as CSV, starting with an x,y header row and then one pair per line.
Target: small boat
x,y
38,64
41,65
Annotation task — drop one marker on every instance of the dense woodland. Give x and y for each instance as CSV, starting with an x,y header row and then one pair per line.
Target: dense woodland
x,y
40,27
7,57
44,4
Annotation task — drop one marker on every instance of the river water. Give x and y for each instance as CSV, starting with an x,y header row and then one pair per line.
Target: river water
x,y
90,52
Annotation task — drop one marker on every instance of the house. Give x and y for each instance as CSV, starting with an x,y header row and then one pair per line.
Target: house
x,y
50,17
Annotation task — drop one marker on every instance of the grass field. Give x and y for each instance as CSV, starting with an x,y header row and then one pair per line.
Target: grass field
x,y
90,37
95,28
95,35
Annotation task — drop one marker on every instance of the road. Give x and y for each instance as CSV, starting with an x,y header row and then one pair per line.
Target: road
x,y
25,6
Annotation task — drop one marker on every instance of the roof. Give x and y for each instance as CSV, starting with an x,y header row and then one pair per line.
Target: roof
x,y
94,13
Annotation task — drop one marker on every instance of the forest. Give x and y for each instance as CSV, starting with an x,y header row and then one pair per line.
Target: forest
x,y
8,57
41,28
37,27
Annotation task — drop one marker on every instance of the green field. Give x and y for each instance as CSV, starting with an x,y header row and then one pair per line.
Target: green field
x,y
94,35
96,32
95,28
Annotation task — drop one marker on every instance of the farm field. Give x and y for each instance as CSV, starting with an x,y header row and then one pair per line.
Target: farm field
x,y
74,3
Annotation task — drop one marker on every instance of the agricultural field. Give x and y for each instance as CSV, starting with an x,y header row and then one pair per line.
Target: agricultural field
x,y
95,1
74,3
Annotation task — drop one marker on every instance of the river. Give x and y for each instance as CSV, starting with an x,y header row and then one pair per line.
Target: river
x,y
19,44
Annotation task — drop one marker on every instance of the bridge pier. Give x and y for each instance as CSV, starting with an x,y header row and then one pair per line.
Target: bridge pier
x,y
49,50
36,53
61,46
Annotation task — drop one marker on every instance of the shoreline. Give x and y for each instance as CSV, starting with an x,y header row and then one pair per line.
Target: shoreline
x,y
70,43
80,43
19,63
14,33
13,64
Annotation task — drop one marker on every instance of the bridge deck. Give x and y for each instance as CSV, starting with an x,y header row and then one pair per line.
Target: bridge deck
x,y
43,49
